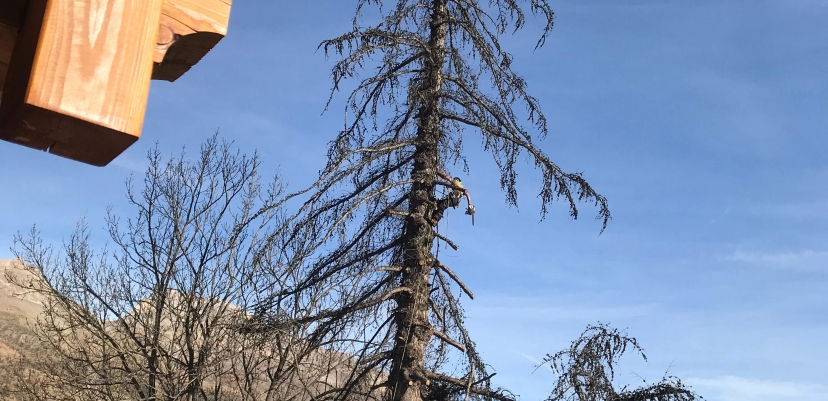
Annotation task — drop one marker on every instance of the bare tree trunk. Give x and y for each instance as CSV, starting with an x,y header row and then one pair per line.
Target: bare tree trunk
x,y
413,328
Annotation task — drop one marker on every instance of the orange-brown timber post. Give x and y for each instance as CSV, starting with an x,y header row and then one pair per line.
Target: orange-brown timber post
x,y
77,72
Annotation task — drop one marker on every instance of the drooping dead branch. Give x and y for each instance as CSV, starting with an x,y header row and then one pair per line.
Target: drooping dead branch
x,y
586,370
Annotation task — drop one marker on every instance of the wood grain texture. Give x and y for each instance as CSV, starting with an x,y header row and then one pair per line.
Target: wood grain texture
x,y
93,60
90,64
188,29
7,39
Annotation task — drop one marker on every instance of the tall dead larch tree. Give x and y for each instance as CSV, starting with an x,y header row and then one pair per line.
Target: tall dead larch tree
x,y
440,72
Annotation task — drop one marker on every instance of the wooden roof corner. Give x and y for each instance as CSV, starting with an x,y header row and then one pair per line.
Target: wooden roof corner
x,y
76,84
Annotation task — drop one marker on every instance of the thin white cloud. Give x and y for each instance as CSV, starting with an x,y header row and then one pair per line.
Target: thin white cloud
x,y
733,388
535,361
805,260
811,210
746,111
523,308
131,164
805,5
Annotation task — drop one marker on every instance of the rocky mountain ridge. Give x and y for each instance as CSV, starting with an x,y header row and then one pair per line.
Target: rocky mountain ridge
x,y
19,310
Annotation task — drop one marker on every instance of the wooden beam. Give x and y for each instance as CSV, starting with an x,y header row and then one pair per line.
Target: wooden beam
x,y
187,31
12,13
74,74
8,35
79,77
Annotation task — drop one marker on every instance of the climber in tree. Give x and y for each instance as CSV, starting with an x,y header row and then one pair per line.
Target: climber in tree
x,y
452,199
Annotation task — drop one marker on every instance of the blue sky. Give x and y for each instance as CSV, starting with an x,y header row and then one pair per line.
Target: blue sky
x,y
703,123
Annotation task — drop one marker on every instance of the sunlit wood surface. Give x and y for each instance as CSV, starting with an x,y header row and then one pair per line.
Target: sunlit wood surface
x,y
79,83
77,72
188,30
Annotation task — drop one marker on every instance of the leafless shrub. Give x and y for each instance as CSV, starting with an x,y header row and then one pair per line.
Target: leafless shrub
x,y
158,317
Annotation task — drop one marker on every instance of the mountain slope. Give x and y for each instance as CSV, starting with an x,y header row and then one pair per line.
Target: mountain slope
x,y
18,311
